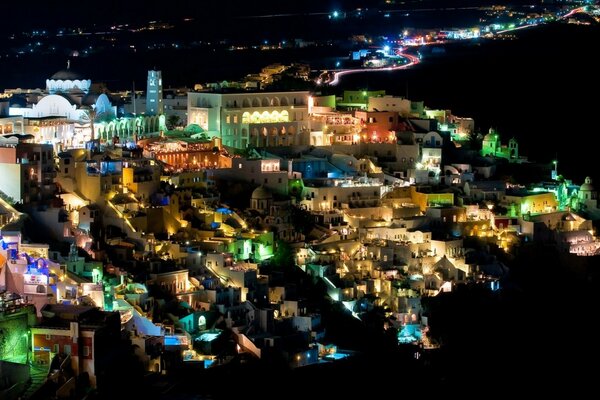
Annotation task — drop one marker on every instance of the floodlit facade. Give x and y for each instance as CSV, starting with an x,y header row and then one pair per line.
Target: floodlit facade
x,y
259,119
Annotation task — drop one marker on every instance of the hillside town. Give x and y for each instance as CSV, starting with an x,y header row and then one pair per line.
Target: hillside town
x,y
223,223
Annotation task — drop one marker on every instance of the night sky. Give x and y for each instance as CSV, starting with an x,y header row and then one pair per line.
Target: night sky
x,y
74,12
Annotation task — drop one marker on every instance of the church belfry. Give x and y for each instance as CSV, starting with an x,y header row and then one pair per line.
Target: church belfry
x,y
154,93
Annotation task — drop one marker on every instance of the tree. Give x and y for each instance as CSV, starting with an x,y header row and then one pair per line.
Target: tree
x,y
284,255
173,121
90,117
474,141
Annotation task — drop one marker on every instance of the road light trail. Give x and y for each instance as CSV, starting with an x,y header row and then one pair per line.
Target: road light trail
x,y
412,61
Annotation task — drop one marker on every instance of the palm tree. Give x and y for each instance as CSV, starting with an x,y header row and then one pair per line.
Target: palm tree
x,y
173,121
90,117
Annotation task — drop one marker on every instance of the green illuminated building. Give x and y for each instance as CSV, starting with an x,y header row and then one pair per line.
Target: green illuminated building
x,y
493,147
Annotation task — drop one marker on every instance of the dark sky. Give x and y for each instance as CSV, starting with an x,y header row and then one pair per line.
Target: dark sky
x,y
68,13
73,12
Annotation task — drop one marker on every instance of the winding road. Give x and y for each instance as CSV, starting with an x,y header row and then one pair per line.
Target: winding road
x,y
412,61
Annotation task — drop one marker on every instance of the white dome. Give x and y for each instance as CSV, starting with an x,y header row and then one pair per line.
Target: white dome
x,y
67,80
587,185
261,193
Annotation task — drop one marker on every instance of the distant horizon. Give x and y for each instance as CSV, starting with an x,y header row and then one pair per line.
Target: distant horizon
x,y
70,13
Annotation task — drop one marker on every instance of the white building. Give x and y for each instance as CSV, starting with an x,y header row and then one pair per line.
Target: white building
x,y
257,119
362,192
389,103
256,171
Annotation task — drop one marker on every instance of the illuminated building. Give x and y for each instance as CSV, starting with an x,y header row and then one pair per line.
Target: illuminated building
x,y
259,119
334,128
523,202
431,152
67,96
64,113
175,282
378,126
26,270
588,195
67,81
390,103
189,154
358,99
361,192
154,93
398,155
425,200
97,177
459,128
265,213
492,146
16,315
88,335
10,125
30,167
484,190
256,171
581,243
446,214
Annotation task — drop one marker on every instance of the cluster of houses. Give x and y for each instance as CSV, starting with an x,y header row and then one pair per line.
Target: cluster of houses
x,y
179,236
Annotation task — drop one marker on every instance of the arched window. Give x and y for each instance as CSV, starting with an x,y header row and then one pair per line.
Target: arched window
x,y
265,117
284,116
201,323
255,117
246,118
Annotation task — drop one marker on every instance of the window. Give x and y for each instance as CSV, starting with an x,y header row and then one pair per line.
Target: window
x,y
279,180
55,348
66,170
324,197
335,197
266,180
67,161
228,119
391,119
48,337
67,349
240,165
235,119
86,351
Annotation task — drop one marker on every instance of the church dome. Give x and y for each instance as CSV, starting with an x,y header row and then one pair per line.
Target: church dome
x,y
587,185
490,136
66,75
261,193
68,81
